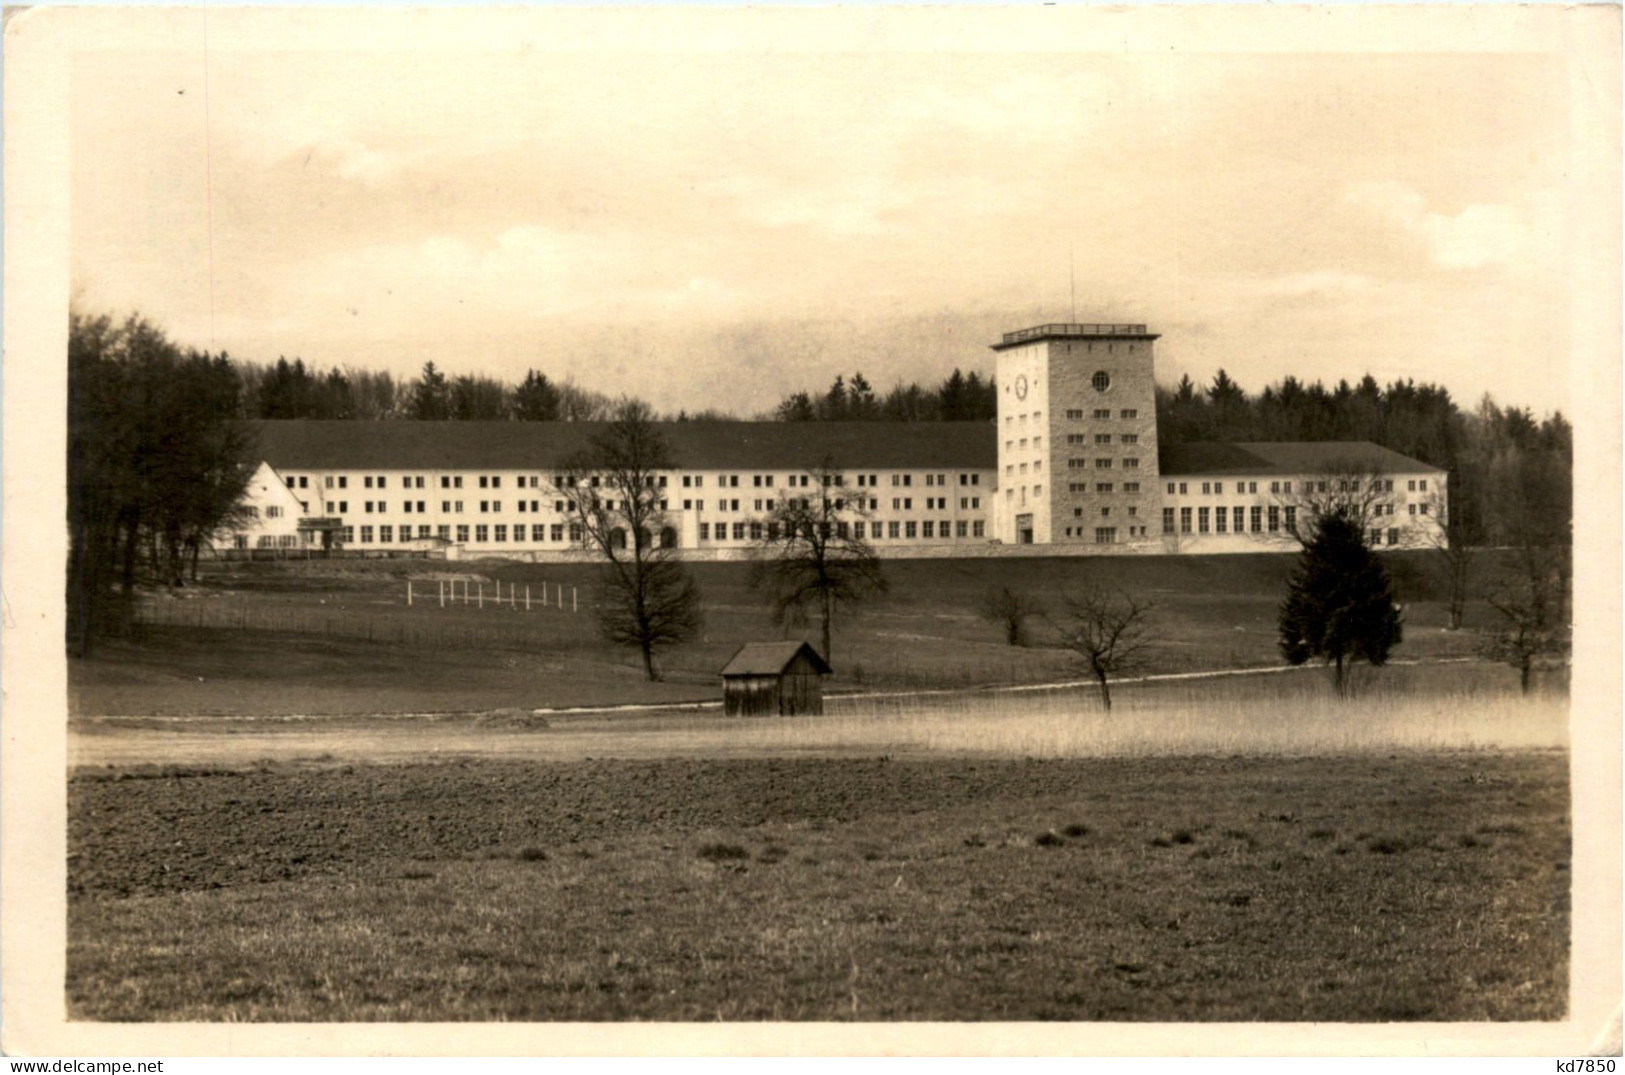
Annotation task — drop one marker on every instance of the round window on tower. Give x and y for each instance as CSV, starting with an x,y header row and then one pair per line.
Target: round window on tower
x,y
1101,380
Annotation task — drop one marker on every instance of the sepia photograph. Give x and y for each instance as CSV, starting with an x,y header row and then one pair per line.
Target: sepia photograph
x,y
812,530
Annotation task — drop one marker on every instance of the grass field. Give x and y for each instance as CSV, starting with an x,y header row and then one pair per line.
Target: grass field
x,y
337,637
333,807
1418,886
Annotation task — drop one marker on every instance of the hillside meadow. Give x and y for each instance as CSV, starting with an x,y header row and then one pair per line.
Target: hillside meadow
x,y
312,803
334,637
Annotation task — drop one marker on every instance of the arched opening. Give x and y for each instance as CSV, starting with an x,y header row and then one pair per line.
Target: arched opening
x,y
645,540
668,537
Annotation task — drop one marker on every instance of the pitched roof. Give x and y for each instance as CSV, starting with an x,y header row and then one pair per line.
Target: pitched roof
x,y
408,445
1290,458
771,658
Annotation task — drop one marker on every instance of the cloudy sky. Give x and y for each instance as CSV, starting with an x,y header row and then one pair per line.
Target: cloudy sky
x,y
715,218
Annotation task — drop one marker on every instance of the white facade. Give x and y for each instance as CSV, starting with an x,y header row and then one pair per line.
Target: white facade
x,y
1079,470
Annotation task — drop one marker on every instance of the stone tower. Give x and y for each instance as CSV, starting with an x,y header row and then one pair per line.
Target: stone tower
x,y
1077,436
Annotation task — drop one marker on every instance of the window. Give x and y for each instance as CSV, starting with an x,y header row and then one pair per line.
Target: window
x,y
1286,487
1077,438
1103,487
502,531
1220,517
273,512
1074,416
1376,537
482,532
1103,464
1422,485
1105,535
739,531
1423,509
380,481
1131,463
344,482
367,481
1412,507
1101,414
346,535
1410,486
575,533
1103,438
1131,487
978,529
1130,438
1101,380
960,529
893,529
1239,514
1201,520
1207,487
705,531
1393,537
1170,488
1258,519
930,529
366,535
1275,487
407,507
1184,520
1129,413
1167,520
1291,519
386,535
344,507
1275,519
443,533
462,533
911,529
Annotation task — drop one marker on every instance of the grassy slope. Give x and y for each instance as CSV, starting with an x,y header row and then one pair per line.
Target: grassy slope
x,y
1335,888
1215,612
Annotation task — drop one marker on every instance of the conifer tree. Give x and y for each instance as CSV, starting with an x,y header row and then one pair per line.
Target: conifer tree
x,y
1339,606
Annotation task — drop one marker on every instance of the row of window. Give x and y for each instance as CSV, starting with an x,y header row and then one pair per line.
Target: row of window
x,y
479,532
1105,535
1240,516
876,531
1102,487
1102,414
1342,485
1101,438
1101,463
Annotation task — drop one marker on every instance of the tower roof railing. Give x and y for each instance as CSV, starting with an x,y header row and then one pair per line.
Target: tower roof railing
x,y
1058,329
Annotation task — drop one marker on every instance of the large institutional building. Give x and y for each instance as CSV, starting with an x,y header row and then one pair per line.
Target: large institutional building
x,y
1071,465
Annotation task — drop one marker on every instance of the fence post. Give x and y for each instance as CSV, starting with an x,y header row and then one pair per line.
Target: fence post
x,y
482,594
527,597
442,593
408,593
572,598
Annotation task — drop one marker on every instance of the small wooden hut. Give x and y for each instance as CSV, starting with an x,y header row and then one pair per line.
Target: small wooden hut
x,y
774,678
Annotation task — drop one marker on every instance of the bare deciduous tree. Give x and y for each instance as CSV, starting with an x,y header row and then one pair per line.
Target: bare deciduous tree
x,y
1532,598
1109,630
1358,494
1449,538
811,555
1009,610
613,489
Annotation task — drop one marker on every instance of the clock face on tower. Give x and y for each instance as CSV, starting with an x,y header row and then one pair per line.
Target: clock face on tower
x,y
1021,386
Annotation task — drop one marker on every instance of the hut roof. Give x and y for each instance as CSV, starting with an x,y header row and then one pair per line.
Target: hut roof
x,y
771,658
